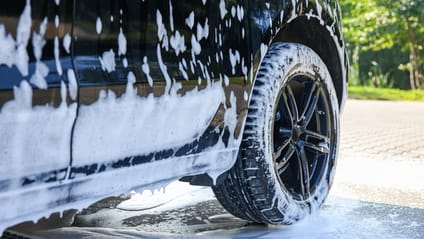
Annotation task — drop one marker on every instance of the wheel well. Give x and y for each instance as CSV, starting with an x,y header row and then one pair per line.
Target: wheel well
x,y
311,33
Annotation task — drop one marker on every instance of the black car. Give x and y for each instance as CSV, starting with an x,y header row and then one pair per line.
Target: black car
x,y
102,97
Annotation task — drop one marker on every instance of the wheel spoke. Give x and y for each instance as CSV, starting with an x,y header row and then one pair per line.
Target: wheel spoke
x,y
312,95
282,159
290,103
282,137
321,147
285,133
279,149
303,172
315,135
284,108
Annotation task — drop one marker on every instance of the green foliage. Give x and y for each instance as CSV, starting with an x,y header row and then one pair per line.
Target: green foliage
x,y
397,26
371,93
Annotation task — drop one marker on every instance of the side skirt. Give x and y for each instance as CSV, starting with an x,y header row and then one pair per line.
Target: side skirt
x,y
34,203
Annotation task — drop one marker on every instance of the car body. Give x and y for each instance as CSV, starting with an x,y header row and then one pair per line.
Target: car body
x,y
102,97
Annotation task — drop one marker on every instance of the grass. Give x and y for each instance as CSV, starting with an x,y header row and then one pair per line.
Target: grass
x,y
371,93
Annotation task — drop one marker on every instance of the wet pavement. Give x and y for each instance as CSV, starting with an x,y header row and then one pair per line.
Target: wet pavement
x,y
340,218
378,192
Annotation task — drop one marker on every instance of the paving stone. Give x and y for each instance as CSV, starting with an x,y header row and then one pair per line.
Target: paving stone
x,y
383,128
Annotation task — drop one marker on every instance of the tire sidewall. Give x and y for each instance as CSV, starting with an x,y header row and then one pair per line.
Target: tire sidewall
x,y
284,61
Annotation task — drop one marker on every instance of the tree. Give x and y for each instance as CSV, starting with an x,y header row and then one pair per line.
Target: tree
x,y
383,24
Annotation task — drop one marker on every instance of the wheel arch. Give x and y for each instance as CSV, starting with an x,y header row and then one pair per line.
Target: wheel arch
x,y
325,42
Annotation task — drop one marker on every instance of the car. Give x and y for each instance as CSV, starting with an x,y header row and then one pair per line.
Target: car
x,y
103,97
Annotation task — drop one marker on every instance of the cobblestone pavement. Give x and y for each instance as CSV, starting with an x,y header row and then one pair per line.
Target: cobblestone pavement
x,y
382,153
384,128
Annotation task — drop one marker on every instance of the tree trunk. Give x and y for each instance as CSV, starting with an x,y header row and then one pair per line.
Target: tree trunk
x,y
411,73
414,64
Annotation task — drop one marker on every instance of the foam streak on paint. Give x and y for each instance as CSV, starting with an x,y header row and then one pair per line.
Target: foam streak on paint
x,y
107,60
146,70
143,125
73,86
189,21
14,53
178,43
41,69
67,43
56,56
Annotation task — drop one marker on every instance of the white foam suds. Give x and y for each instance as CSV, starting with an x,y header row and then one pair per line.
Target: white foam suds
x,y
268,5
163,69
34,139
67,43
233,11
189,21
182,70
122,43
162,35
107,60
244,67
178,43
240,13
56,55
56,21
202,31
222,9
99,25
183,61
38,78
175,194
7,48
234,59
146,71
226,80
41,69
171,17
195,45
141,125
20,57
264,49
38,41
73,86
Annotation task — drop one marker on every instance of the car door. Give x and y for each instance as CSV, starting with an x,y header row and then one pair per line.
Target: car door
x,y
37,93
161,50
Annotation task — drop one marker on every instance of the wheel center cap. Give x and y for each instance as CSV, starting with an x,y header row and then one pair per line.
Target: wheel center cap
x,y
297,132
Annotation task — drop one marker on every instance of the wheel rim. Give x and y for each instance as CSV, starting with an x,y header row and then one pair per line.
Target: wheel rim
x,y
302,136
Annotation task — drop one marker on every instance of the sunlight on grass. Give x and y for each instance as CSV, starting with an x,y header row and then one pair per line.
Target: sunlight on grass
x,y
371,93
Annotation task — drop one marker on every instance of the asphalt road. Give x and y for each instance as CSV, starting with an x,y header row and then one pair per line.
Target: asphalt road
x,y
378,192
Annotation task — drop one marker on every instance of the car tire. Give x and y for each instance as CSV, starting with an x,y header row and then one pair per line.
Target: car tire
x,y
288,152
